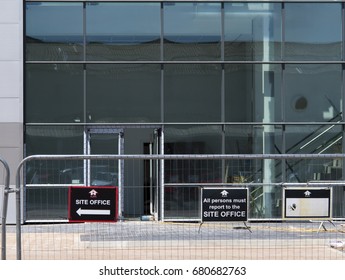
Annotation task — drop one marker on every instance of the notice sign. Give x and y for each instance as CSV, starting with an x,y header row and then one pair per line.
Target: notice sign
x,y
224,204
307,203
92,204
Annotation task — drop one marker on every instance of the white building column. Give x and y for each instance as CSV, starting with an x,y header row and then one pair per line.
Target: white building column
x,y
11,89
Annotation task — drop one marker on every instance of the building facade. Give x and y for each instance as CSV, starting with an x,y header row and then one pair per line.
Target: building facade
x,y
172,77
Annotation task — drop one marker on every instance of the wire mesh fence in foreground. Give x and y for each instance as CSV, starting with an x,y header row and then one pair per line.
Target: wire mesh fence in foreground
x,y
160,208
152,240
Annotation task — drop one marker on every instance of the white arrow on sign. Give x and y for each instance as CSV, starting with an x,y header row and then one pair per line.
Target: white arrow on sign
x,y
92,212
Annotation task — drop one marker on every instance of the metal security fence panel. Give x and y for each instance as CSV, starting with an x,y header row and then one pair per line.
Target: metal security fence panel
x,y
4,190
159,213
142,240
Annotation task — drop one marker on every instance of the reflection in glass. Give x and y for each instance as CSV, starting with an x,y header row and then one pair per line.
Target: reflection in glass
x,y
252,31
313,92
44,140
54,31
192,31
122,31
313,139
249,139
54,93
193,139
256,139
203,139
313,31
192,93
252,93
44,203
104,172
253,139
123,93
51,203
181,202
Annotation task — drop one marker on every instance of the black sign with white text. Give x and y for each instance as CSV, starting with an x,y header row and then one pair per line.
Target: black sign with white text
x,y
92,204
224,204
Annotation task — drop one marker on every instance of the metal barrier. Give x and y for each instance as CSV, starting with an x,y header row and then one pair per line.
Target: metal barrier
x,y
173,230
4,208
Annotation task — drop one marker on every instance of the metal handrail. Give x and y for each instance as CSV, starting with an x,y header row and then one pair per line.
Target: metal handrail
x,y
4,209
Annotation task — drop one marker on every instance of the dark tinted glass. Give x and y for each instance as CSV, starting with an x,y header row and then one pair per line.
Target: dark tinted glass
x,y
123,31
252,31
54,31
123,93
192,31
313,92
313,31
54,93
192,93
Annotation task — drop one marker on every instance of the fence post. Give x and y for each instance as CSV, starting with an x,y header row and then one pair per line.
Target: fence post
x,y
4,209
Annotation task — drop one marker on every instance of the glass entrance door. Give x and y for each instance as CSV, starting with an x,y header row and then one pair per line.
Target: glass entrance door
x,y
152,174
100,171
137,179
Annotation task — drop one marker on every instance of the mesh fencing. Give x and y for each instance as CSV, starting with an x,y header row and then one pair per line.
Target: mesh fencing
x,y
149,240
160,213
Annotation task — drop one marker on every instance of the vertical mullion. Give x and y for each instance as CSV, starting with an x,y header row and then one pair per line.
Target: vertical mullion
x,y
84,64
282,91
343,85
162,59
222,100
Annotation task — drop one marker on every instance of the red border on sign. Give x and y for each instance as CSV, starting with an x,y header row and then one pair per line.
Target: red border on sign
x,y
93,187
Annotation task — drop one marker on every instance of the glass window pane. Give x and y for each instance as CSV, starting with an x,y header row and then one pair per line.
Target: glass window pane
x,y
252,31
123,31
192,93
54,140
256,139
51,203
192,139
104,172
192,31
46,203
314,139
54,93
313,92
184,201
54,31
253,139
313,31
123,93
248,139
252,93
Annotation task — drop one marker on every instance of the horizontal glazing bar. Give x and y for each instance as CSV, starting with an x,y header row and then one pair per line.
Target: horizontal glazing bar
x,y
187,62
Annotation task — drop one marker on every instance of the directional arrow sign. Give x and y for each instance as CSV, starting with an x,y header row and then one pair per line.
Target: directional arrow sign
x,y
92,212
92,204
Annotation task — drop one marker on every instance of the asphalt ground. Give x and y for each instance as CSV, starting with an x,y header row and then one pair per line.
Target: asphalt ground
x,y
152,240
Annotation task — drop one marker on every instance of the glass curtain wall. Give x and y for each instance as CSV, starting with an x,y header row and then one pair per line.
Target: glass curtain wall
x,y
221,77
